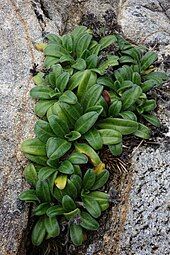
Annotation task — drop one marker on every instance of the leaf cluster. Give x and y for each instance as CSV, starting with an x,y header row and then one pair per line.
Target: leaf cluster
x,y
84,101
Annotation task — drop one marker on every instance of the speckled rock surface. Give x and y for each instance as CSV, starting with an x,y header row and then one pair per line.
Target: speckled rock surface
x,y
145,21
19,28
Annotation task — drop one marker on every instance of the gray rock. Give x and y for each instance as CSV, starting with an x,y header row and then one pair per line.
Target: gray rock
x,y
19,29
145,21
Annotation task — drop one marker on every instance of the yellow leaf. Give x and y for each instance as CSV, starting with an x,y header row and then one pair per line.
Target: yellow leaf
x,y
61,181
99,168
40,46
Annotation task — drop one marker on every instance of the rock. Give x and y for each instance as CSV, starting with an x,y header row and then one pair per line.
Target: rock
x,y
145,21
19,29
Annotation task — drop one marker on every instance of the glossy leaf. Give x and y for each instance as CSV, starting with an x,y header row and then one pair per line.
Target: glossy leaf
x,y
76,234
43,130
130,96
92,206
29,196
38,233
78,158
89,179
55,210
88,222
33,146
110,136
52,226
30,174
152,119
41,209
94,138
86,121
68,203
116,149
100,180
57,147
68,97
45,172
42,107
66,167
59,127
72,136
43,191
142,132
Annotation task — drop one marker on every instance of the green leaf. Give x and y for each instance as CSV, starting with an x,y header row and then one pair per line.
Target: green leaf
x,y
52,226
94,138
55,210
152,119
77,181
41,209
91,206
70,190
104,80
87,150
92,61
67,42
83,43
110,136
43,131
43,191
68,203
42,107
73,112
40,160
57,194
38,79
89,179
76,234
30,174
59,126
148,59
42,92
130,96
95,92
86,121
148,106
148,85
38,233
33,146
72,136
45,172
142,132
102,198
71,215
28,196
77,158
62,80
50,61
107,40
136,78
54,38
101,180
111,61
116,149
158,77
66,167
124,126
80,64
88,222
128,115
83,83
96,108
115,107
68,97
57,110
57,147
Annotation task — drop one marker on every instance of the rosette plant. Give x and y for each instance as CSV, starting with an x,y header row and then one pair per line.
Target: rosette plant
x,y
86,98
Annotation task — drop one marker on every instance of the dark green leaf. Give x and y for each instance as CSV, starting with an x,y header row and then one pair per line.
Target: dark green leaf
x,y
72,136
30,174
152,119
88,222
116,149
42,92
107,40
130,96
52,226
76,234
34,146
55,210
66,167
42,107
148,59
28,196
80,64
45,172
41,209
142,132
38,233
91,206
43,131
86,121
94,138
78,158
101,180
57,147
68,203
110,136
43,191
59,126
89,179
